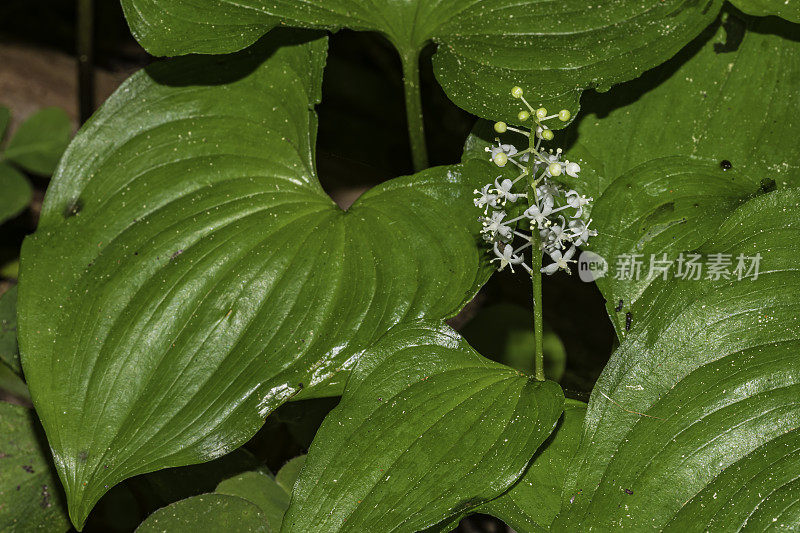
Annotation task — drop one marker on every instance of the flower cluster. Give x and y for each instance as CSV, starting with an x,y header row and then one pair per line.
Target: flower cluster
x,y
553,211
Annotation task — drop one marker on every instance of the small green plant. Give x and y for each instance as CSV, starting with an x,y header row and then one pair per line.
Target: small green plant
x,y
190,278
36,148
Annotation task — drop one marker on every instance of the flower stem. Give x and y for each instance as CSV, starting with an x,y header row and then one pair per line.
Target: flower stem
x,y
536,276
416,127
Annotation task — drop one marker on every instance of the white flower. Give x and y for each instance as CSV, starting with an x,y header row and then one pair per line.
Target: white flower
x,y
494,226
485,198
507,257
537,214
580,231
554,212
577,202
556,235
572,169
502,152
559,261
503,190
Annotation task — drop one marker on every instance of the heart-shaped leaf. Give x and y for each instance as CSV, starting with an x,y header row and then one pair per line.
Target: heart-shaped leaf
x,y
208,512
426,430
533,502
30,495
189,273
554,50
695,422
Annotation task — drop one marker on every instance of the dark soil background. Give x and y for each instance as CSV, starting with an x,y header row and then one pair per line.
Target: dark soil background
x,y
362,142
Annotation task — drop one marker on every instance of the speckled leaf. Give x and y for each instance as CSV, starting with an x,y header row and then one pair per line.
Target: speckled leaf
x,y
553,49
694,424
653,162
261,490
189,274
40,141
731,95
788,9
17,192
30,495
469,428
534,501
666,206
208,512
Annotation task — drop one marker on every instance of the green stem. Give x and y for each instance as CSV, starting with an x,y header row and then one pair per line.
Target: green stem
x,y
536,276
416,127
85,49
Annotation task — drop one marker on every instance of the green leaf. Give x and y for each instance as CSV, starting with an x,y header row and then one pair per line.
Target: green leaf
x,y
189,274
727,96
762,8
288,474
40,141
9,352
261,490
30,495
426,430
12,385
17,192
724,97
695,422
533,502
209,512
485,46
666,206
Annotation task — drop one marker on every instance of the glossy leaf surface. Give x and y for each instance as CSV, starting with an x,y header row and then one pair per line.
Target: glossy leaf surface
x,y
189,274
486,47
533,502
729,96
426,430
694,423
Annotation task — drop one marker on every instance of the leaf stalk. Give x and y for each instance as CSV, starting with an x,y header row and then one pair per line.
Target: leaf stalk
x,y
416,126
